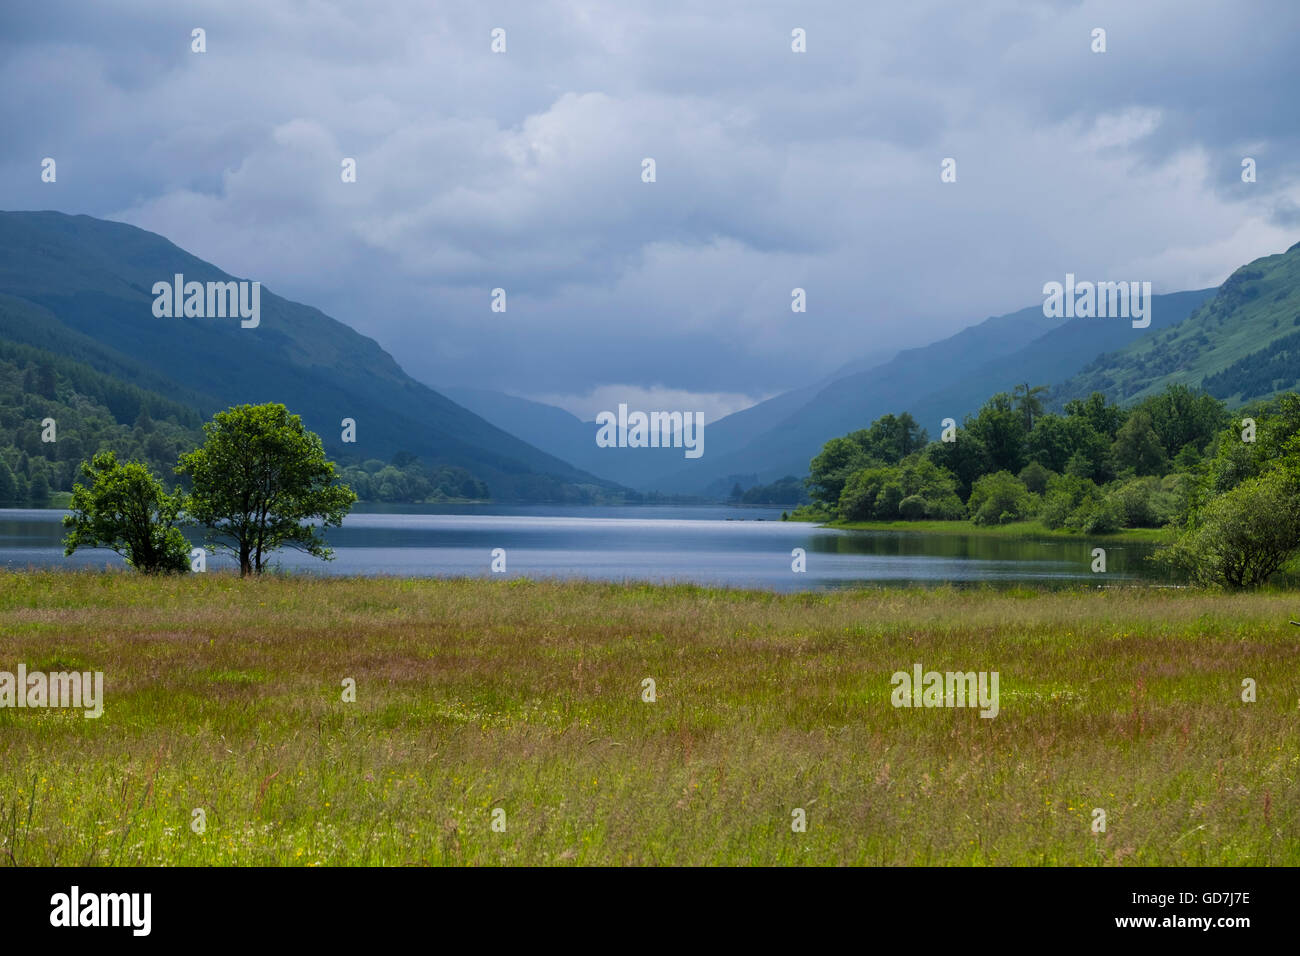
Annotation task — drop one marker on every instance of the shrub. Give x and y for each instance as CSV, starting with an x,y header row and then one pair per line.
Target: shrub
x,y
998,498
913,508
1244,535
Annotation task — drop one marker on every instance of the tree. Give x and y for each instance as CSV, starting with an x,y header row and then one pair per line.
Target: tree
x,y
1035,477
8,486
1002,430
1097,412
1183,417
891,438
126,510
827,473
258,479
38,489
1057,438
1137,446
861,498
1244,535
1028,403
966,458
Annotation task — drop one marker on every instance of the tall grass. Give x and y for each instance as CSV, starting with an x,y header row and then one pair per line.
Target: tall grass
x,y
225,695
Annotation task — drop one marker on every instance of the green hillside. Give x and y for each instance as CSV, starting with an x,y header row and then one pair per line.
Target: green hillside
x,y
1239,346
90,411
82,288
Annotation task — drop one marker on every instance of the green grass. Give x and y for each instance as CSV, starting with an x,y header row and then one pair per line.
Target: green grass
x,y
225,695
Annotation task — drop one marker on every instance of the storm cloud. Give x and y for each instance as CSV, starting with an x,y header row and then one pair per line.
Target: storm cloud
x,y
522,170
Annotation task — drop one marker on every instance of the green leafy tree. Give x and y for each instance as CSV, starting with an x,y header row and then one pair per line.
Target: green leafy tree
x,y
38,490
1183,417
1066,496
1137,446
1002,430
1028,403
966,459
1035,477
126,509
1102,416
1057,438
1243,536
861,498
891,438
9,497
827,473
262,482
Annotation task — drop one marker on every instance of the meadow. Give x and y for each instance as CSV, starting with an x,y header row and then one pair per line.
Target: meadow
x,y
226,696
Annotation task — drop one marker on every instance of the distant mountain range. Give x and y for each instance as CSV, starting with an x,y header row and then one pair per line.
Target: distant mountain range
x,y
81,288
778,437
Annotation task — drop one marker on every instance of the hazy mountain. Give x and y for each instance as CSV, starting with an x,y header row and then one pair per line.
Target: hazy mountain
x,y
562,434
949,378
83,287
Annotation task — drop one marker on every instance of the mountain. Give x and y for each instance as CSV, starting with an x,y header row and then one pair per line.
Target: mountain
x,y
82,287
565,436
947,379
1243,344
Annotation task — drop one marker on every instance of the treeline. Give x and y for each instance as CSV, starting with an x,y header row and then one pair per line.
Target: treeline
x,y
93,412
1229,482
90,412
1093,468
784,491
405,479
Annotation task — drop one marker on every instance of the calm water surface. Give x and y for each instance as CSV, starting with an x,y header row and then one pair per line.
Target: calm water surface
x,y
741,547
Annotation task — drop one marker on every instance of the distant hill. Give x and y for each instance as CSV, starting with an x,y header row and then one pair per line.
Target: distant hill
x,y
1240,345
949,378
82,287
564,435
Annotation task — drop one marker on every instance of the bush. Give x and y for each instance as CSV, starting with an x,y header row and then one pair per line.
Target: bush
x,y
857,502
1035,477
998,499
913,508
1244,535
887,502
1143,503
945,508
1102,517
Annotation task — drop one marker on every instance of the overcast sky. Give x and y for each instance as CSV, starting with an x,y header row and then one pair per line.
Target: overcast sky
x,y
523,170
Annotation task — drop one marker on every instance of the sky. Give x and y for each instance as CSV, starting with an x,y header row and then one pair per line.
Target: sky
x,y
522,170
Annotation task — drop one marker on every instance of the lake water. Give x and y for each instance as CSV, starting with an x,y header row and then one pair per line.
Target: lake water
x,y
739,547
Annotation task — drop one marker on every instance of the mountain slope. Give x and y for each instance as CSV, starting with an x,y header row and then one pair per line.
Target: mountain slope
x,y
90,410
1239,345
86,284
949,378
